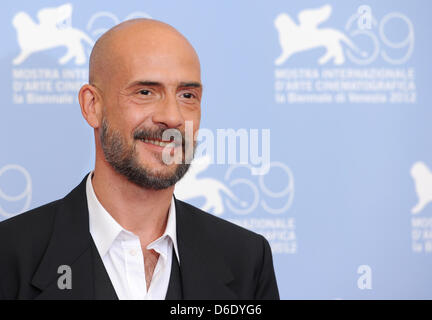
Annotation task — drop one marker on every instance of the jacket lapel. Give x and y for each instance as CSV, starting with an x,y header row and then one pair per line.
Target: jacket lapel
x,y
103,288
204,274
71,245
175,291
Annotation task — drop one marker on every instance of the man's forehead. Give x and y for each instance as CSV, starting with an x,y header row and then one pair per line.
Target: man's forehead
x,y
169,70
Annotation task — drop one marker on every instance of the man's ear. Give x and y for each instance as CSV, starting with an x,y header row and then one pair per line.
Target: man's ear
x,y
90,101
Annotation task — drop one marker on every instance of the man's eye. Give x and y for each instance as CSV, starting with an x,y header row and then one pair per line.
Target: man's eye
x,y
188,95
145,92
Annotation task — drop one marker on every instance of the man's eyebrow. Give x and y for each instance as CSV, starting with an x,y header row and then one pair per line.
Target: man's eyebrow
x,y
186,84
190,85
145,83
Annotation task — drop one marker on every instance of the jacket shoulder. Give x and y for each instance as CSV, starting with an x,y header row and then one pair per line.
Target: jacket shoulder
x,y
226,235
37,218
30,230
217,224
23,241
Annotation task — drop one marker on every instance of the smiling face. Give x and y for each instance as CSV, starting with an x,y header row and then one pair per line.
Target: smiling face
x,y
148,77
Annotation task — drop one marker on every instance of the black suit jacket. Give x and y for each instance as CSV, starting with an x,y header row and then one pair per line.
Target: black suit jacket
x,y
218,260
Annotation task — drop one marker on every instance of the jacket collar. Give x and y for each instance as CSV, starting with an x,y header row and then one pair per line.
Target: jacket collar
x,y
204,275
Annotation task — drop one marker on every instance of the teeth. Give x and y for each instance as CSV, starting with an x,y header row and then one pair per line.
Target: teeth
x,y
156,143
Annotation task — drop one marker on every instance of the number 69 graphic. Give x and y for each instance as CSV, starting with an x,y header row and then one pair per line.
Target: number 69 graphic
x,y
26,194
360,25
287,192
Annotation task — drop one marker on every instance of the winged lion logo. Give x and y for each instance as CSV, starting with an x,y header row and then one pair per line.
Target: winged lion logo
x,y
306,35
52,30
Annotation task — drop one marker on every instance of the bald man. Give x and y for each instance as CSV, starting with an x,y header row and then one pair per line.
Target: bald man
x,y
121,234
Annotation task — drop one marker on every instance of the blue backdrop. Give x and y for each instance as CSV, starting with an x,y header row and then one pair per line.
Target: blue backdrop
x,y
341,88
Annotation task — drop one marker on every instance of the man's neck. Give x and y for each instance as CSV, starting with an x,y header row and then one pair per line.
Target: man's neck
x,y
141,211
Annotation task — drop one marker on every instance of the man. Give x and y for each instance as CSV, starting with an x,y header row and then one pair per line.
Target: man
x,y
121,233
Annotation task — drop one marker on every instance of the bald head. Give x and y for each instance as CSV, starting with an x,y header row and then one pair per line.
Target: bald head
x,y
134,39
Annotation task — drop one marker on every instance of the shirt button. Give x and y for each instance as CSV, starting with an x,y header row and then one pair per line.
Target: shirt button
x,y
132,252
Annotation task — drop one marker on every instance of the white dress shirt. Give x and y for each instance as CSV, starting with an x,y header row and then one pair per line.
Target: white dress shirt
x,y
122,255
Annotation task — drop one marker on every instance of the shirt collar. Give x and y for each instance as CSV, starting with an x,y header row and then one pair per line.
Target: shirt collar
x,y
104,229
170,232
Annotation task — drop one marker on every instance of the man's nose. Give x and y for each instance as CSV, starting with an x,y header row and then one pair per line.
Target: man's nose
x,y
168,113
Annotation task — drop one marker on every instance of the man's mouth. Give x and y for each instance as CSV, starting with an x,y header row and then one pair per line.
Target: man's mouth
x,y
159,143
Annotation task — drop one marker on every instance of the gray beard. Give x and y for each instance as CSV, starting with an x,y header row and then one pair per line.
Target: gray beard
x,y
124,161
